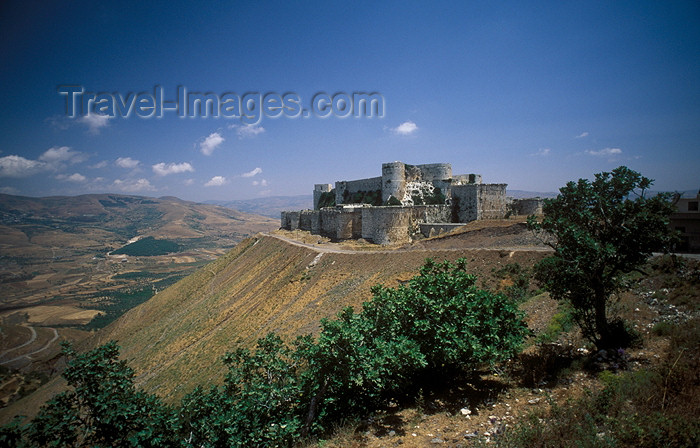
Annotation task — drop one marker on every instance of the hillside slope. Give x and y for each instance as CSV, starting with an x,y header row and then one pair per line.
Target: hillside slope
x,y
175,340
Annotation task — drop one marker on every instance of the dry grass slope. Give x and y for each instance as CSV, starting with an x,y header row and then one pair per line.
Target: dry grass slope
x,y
175,340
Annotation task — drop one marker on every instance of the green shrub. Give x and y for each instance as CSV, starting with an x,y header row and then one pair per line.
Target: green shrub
x,y
519,278
327,199
393,201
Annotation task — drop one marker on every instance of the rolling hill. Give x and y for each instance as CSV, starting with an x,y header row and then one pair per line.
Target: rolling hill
x,y
60,279
176,339
58,246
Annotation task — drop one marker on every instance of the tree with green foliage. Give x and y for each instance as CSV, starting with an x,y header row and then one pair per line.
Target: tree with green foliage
x,y
601,230
438,323
103,408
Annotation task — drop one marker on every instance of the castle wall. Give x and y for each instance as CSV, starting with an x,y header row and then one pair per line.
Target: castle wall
x,y
431,213
461,179
526,207
353,186
385,225
290,220
479,201
305,220
465,202
435,171
349,223
315,222
492,201
329,222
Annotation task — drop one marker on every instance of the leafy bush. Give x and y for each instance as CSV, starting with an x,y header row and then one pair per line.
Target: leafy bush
x,y
561,322
327,199
393,201
103,408
518,279
372,197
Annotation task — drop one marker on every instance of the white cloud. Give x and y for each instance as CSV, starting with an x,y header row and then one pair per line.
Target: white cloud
x,y
18,166
133,186
405,128
8,190
126,162
98,165
209,144
76,177
262,183
607,152
188,182
256,171
94,122
248,131
582,135
54,158
163,169
542,152
216,181
61,154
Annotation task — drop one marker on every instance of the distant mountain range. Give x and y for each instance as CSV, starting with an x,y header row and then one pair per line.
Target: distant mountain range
x,y
269,206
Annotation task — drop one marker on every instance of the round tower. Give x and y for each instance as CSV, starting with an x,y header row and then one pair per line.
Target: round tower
x,y
393,180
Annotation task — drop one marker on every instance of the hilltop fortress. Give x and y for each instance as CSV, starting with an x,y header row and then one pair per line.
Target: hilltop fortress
x,y
404,200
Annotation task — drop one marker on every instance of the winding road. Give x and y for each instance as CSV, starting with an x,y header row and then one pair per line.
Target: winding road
x,y
30,354
321,248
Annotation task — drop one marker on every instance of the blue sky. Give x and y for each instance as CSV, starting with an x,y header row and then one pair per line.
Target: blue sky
x,y
529,94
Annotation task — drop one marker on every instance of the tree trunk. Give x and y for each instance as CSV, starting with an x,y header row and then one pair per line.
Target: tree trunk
x,y
601,320
315,400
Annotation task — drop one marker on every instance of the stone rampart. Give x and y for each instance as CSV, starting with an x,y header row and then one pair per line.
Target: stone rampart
x,y
435,171
465,202
290,220
353,186
526,207
461,179
386,225
479,201
431,213
492,201
329,222
349,223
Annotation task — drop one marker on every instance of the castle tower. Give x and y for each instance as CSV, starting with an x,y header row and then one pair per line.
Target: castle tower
x,y
319,189
393,180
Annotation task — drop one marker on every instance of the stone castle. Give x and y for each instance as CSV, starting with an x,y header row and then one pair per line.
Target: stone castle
x,y
403,201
